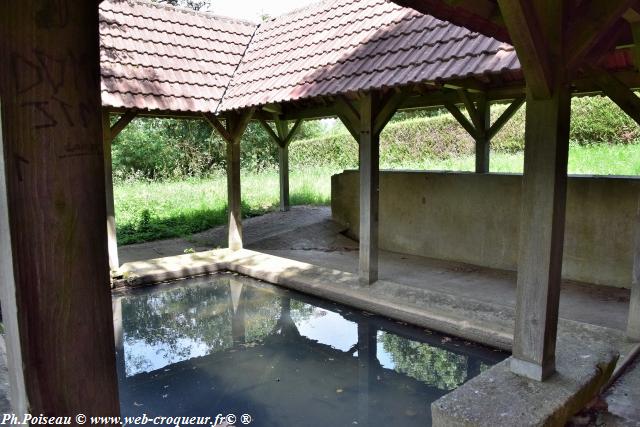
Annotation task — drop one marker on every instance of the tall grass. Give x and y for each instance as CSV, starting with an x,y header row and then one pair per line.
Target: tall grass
x,y
150,210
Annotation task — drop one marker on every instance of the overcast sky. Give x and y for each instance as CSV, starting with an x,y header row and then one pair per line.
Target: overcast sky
x,y
253,9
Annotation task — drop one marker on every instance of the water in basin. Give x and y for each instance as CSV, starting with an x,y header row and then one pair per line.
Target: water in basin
x,y
227,344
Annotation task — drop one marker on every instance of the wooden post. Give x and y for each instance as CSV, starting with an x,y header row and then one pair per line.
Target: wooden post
x,y
369,191
236,124
541,234
234,195
49,68
633,326
483,141
112,240
283,157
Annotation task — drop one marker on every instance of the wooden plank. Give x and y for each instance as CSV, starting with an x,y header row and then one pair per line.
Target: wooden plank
x,y
505,117
635,49
526,34
112,240
617,91
121,124
464,122
541,234
369,191
589,24
52,135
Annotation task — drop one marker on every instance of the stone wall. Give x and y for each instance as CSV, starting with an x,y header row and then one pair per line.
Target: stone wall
x,y
474,218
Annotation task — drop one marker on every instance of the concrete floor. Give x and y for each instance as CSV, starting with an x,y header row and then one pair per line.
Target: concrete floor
x,y
308,234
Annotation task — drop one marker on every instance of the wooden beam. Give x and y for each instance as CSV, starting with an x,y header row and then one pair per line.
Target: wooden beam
x,y
590,23
369,190
528,38
276,138
635,49
505,117
542,225
52,136
218,126
617,92
292,132
349,116
477,118
464,122
121,124
482,140
389,108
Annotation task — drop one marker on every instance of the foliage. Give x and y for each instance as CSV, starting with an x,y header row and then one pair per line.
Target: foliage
x,y
189,4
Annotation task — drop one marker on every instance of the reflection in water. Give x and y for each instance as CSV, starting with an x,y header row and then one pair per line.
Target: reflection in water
x,y
230,344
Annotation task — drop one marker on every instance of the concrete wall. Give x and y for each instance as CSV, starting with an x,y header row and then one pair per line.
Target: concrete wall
x,y
474,219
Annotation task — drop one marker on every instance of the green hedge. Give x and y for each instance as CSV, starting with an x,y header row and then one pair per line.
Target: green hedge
x,y
595,120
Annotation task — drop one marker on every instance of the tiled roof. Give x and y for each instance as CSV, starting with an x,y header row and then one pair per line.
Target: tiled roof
x,y
158,57
343,46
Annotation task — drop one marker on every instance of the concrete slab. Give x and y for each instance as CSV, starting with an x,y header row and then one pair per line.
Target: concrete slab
x,y
586,358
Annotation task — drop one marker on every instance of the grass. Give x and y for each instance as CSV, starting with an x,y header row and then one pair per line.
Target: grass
x,y
148,211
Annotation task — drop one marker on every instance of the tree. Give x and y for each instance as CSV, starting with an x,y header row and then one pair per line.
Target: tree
x,y
189,4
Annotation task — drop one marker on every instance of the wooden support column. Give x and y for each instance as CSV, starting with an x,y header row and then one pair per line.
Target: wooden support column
x,y
369,191
483,142
52,136
109,133
542,224
236,124
365,124
282,137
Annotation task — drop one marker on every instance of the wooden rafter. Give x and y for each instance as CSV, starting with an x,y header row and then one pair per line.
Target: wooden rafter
x,y
284,135
617,91
349,116
505,117
217,125
478,122
121,124
590,25
526,34
389,107
462,119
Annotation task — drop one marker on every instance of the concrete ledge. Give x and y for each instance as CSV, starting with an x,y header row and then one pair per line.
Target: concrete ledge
x,y
586,358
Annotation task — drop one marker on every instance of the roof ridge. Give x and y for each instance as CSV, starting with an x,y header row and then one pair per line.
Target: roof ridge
x,y
187,11
233,75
